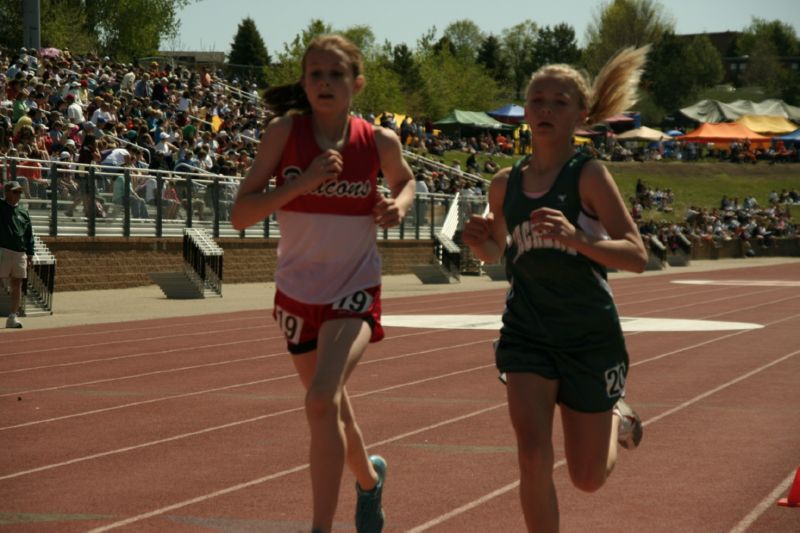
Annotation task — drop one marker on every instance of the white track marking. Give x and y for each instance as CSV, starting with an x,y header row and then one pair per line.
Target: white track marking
x,y
483,499
739,282
171,336
766,503
253,419
234,488
494,323
272,476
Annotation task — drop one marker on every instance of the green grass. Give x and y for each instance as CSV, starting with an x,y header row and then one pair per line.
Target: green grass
x,y
700,184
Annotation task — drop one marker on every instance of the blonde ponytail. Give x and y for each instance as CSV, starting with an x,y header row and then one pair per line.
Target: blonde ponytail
x,y
616,86
613,91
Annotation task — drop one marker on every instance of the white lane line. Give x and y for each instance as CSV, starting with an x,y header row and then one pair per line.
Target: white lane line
x,y
139,340
740,282
137,355
142,375
483,499
137,329
240,486
194,367
766,503
629,324
253,419
363,394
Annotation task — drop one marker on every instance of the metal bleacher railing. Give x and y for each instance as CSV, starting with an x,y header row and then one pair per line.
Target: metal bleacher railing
x,y
205,200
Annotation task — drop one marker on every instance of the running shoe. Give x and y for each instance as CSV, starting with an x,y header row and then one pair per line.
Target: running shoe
x,y
630,425
12,322
369,514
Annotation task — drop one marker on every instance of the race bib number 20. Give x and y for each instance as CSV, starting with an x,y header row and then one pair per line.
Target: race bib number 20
x,y
615,380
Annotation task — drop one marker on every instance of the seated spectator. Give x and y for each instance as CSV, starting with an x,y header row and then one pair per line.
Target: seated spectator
x,y
172,202
137,203
472,163
489,166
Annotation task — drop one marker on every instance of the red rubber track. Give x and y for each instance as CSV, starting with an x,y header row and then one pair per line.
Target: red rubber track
x,y
196,423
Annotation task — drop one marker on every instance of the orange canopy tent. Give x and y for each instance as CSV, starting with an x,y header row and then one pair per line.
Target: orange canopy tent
x,y
723,133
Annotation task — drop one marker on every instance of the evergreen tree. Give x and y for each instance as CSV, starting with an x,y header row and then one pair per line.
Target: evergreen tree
x,y
248,56
490,56
556,45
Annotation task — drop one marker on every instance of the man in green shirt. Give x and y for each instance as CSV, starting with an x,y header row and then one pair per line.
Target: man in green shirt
x,y
16,246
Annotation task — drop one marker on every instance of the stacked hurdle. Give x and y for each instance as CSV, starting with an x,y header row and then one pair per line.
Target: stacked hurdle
x,y
202,259
38,288
202,269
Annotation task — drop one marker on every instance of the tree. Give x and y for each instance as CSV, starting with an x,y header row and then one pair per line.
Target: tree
x,y
556,45
288,68
406,68
382,92
763,69
765,42
491,57
248,55
425,43
518,44
63,25
624,23
130,29
782,36
363,37
679,68
466,39
450,83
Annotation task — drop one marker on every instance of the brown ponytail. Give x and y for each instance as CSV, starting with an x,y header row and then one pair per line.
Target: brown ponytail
x,y
282,99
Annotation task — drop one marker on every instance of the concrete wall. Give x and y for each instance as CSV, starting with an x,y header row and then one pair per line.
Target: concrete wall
x,y
707,249
85,263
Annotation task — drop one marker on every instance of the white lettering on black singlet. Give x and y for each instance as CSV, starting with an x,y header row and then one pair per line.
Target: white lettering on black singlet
x,y
525,240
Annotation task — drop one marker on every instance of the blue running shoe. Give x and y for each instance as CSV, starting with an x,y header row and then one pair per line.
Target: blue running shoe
x,y
369,514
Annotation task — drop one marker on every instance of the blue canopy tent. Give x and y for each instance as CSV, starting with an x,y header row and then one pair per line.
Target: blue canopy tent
x,y
793,136
510,114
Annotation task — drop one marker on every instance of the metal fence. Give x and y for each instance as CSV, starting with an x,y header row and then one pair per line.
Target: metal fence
x,y
70,199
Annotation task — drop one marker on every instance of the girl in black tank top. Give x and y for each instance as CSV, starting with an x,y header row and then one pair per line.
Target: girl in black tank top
x,y
559,220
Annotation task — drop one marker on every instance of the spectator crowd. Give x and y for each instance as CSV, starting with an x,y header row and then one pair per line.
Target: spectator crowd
x,y
81,110
88,109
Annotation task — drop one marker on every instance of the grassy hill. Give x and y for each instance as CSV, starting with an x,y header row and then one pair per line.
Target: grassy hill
x,y
700,184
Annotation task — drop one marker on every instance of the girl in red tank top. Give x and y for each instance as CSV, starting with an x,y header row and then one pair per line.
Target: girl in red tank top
x,y
328,279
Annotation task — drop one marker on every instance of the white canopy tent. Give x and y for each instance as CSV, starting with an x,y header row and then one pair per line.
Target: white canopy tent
x,y
643,134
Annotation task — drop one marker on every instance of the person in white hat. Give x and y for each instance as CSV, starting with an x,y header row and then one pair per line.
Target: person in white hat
x,y
16,247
